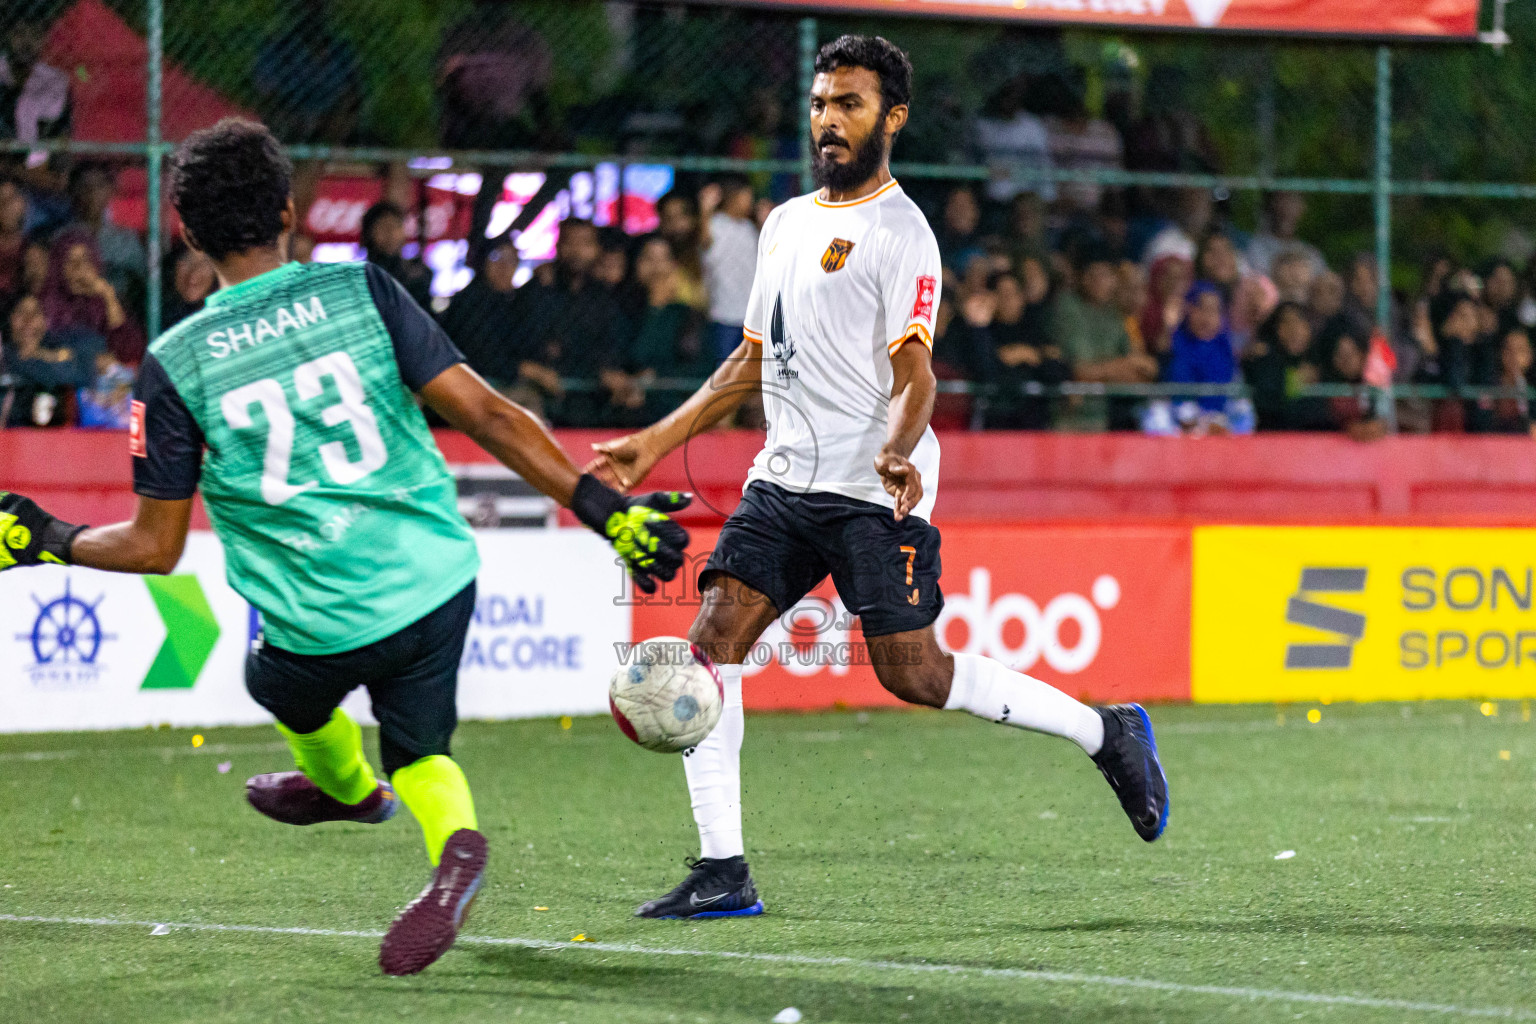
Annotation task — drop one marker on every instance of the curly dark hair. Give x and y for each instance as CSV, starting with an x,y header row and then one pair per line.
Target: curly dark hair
x,y
230,184
876,54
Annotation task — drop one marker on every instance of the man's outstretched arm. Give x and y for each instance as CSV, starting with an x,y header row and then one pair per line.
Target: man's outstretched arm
x,y
624,462
504,429
151,542
638,528
433,367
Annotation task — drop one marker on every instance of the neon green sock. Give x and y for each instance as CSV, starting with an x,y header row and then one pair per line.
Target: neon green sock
x,y
332,758
435,790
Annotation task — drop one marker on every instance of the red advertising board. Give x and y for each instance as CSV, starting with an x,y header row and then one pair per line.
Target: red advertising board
x,y
1101,612
1421,18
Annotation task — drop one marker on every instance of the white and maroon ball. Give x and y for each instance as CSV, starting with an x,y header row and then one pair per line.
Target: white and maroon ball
x,y
668,696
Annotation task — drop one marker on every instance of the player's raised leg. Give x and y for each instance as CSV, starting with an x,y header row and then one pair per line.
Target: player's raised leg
x,y
334,781
719,883
1119,738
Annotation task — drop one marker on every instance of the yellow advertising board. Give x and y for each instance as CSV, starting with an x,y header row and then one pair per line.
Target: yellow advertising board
x,y
1362,613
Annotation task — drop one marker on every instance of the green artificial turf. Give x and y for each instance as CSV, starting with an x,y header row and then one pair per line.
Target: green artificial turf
x,y
889,839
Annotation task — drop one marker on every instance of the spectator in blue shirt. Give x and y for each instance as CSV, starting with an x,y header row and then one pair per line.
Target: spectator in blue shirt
x,y
1202,347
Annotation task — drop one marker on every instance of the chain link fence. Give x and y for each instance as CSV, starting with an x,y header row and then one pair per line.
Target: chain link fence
x,y
483,120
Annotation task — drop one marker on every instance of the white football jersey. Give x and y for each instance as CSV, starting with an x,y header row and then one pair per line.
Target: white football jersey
x,y
838,287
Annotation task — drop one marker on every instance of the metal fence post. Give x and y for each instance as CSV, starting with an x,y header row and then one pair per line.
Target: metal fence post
x,y
1383,188
1264,114
807,76
152,119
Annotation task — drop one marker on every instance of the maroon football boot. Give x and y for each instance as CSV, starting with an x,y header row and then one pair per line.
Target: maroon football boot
x,y
427,927
291,798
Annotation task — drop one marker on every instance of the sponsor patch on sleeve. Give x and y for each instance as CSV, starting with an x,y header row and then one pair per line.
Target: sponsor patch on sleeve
x,y
136,446
922,309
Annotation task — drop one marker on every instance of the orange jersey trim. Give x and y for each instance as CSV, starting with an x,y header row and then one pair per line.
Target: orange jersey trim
x,y
917,331
855,202
756,339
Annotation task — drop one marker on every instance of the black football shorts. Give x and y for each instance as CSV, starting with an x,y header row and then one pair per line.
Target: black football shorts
x,y
412,678
783,544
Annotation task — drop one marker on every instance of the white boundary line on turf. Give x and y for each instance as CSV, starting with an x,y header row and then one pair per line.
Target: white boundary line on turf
x,y
1296,724
799,960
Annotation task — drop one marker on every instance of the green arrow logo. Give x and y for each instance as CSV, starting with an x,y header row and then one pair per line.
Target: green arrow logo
x,y
191,630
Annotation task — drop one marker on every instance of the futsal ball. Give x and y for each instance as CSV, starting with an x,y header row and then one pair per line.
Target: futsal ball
x,y
668,695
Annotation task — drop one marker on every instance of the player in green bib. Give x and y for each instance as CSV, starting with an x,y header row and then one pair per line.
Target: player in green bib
x,y
290,401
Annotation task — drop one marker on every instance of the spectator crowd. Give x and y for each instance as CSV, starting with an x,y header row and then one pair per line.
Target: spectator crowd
x,y
1055,295
1061,300
1041,303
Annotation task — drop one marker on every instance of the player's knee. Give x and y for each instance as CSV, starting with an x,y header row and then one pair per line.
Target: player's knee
x,y
714,635
726,627
924,682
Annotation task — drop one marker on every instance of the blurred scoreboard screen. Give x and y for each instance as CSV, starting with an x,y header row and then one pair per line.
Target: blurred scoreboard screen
x,y
1439,19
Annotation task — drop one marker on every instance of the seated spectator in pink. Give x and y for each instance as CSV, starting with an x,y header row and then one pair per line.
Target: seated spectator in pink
x,y
34,103
1167,282
76,295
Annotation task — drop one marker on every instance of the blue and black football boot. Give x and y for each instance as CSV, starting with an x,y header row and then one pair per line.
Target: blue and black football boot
x,y
1128,761
714,888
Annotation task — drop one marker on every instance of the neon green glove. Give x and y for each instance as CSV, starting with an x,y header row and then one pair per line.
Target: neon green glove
x,y
639,528
30,536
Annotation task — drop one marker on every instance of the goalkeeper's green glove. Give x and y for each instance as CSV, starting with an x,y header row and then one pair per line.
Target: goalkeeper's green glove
x,y
639,529
30,536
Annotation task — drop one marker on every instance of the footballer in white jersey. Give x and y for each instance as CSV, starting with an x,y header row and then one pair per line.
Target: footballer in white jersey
x,y
839,339
839,288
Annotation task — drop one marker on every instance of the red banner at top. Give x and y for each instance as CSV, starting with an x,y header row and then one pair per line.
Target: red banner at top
x,y
1422,18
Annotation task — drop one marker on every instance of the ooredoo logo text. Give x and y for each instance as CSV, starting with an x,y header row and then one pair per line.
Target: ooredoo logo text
x,y
1041,632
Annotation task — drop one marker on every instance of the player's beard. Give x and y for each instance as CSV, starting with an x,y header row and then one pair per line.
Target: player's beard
x,y
842,177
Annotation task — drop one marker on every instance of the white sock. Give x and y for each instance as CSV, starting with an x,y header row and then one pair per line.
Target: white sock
x,y
989,690
714,776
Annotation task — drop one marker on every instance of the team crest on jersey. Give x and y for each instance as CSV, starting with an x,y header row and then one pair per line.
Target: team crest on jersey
x,y
836,255
783,344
